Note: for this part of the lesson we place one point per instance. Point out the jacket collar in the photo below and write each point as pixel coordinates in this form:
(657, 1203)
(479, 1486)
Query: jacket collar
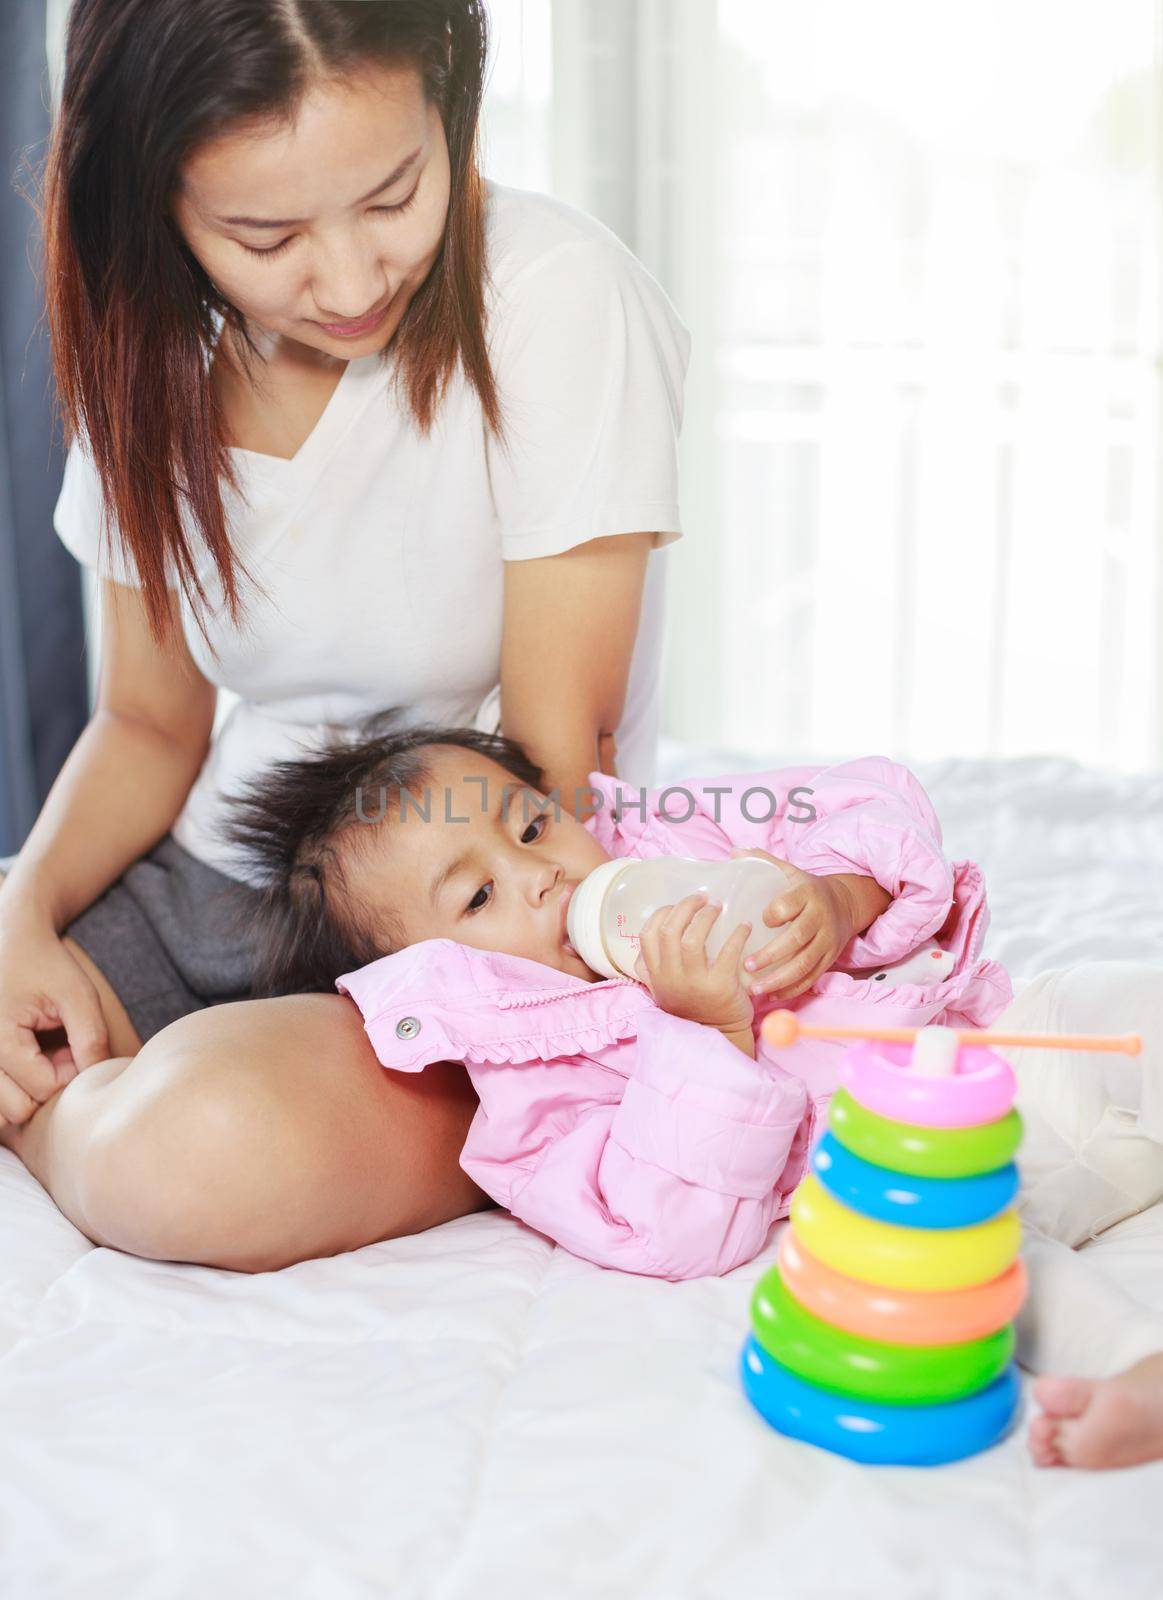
(443, 1001)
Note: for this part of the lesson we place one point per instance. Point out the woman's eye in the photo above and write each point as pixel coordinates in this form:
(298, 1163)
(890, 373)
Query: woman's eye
(403, 205)
(534, 824)
(275, 249)
(387, 211)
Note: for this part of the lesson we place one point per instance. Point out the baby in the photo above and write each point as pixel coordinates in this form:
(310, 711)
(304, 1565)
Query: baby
(450, 834)
(645, 1125)
(426, 873)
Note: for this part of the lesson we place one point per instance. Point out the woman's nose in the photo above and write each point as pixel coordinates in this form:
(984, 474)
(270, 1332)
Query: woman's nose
(348, 284)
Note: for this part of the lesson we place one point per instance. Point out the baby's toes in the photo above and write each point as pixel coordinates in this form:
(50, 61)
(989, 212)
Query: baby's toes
(1064, 1397)
(1043, 1441)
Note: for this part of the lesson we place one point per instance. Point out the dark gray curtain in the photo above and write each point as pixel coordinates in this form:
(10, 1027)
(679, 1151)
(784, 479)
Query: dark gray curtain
(43, 695)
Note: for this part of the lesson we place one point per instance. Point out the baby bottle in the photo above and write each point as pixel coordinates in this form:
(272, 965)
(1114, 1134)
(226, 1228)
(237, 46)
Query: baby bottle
(609, 907)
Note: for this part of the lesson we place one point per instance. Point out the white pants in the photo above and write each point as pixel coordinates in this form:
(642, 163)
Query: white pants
(1092, 1155)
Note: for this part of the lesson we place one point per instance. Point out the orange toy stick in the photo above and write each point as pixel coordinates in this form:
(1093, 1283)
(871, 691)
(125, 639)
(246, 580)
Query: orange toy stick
(781, 1028)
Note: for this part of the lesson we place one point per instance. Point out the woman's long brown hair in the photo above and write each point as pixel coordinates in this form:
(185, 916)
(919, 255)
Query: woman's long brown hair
(132, 313)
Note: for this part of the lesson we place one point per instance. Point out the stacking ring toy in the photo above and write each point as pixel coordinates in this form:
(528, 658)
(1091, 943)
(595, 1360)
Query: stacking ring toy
(981, 1089)
(899, 1374)
(885, 1332)
(899, 1316)
(903, 1258)
(923, 1152)
(914, 1202)
(911, 1436)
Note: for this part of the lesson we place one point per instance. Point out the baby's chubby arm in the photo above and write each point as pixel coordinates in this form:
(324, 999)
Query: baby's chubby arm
(868, 819)
(674, 965)
(817, 916)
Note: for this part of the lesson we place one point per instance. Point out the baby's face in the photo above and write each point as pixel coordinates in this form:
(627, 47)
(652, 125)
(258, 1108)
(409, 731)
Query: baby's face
(492, 866)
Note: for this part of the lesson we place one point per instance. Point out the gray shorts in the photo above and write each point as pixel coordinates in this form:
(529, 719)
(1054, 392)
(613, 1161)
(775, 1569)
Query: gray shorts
(170, 935)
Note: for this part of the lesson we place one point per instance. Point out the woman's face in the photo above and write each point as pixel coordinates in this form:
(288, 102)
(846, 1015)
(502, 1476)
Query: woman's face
(297, 226)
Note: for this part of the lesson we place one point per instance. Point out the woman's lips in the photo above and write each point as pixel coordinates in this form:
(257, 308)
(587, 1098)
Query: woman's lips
(349, 330)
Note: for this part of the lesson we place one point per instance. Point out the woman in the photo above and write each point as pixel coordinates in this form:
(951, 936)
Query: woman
(353, 428)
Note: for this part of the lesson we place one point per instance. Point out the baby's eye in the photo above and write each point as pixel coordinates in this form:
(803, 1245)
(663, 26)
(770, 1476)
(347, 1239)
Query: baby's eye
(476, 904)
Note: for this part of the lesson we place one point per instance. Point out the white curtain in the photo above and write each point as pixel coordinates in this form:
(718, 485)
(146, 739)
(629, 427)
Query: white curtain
(917, 246)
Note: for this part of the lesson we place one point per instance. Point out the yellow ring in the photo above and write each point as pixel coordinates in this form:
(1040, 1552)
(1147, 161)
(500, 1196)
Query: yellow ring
(929, 1259)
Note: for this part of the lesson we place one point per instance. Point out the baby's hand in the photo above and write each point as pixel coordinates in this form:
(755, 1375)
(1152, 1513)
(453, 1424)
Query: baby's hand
(673, 963)
(816, 919)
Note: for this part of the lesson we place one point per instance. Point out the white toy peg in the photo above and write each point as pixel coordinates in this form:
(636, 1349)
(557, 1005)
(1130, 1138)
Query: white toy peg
(935, 1052)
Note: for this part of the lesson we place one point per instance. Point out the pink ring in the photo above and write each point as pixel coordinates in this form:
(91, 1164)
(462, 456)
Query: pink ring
(878, 1076)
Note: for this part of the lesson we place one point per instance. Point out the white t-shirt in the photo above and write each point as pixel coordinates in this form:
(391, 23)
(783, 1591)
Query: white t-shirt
(382, 550)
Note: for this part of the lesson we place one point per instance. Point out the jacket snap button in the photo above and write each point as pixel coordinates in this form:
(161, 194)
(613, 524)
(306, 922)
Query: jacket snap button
(407, 1027)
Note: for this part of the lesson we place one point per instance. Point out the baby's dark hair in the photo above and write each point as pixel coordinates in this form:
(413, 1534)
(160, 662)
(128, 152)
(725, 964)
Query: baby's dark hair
(298, 826)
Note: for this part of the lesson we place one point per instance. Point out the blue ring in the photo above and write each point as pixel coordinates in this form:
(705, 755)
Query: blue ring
(914, 1202)
(870, 1431)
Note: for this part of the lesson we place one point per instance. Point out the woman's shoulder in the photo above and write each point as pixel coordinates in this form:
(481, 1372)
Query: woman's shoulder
(531, 234)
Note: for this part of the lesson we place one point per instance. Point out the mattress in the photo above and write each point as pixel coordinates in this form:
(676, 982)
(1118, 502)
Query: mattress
(473, 1413)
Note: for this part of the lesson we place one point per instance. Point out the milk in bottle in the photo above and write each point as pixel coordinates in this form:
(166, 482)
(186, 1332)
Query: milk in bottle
(609, 907)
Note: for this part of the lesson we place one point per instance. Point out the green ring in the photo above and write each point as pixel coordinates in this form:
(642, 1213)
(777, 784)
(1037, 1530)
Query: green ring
(898, 1374)
(923, 1152)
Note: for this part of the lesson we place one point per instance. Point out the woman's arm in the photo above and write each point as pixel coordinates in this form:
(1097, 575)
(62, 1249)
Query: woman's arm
(570, 623)
(128, 774)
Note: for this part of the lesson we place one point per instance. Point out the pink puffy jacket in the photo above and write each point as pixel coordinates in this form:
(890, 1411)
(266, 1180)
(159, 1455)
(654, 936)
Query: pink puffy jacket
(638, 1139)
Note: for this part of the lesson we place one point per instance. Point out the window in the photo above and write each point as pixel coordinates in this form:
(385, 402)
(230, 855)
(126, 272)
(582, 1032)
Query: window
(917, 249)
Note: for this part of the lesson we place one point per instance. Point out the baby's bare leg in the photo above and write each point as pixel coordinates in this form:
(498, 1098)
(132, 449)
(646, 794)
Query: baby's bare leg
(1093, 1155)
(1117, 1422)
(1109, 1411)
(253, 1135)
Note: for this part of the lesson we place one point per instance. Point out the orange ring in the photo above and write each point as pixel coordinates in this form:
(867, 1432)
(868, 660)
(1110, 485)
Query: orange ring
(900, 1316)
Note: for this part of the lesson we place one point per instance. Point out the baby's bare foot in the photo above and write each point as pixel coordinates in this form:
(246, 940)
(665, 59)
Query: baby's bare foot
(1108, 1422)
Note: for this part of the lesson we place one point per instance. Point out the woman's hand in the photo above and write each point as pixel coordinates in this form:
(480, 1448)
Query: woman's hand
(42, 990)
(817, 917)
(673, 963)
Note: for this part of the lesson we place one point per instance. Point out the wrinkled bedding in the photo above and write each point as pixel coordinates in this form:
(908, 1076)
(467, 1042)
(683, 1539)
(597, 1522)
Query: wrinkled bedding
(472, 1413)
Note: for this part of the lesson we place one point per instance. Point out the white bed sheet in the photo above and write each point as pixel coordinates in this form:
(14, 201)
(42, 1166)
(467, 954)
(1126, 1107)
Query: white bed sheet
(473, 1414)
